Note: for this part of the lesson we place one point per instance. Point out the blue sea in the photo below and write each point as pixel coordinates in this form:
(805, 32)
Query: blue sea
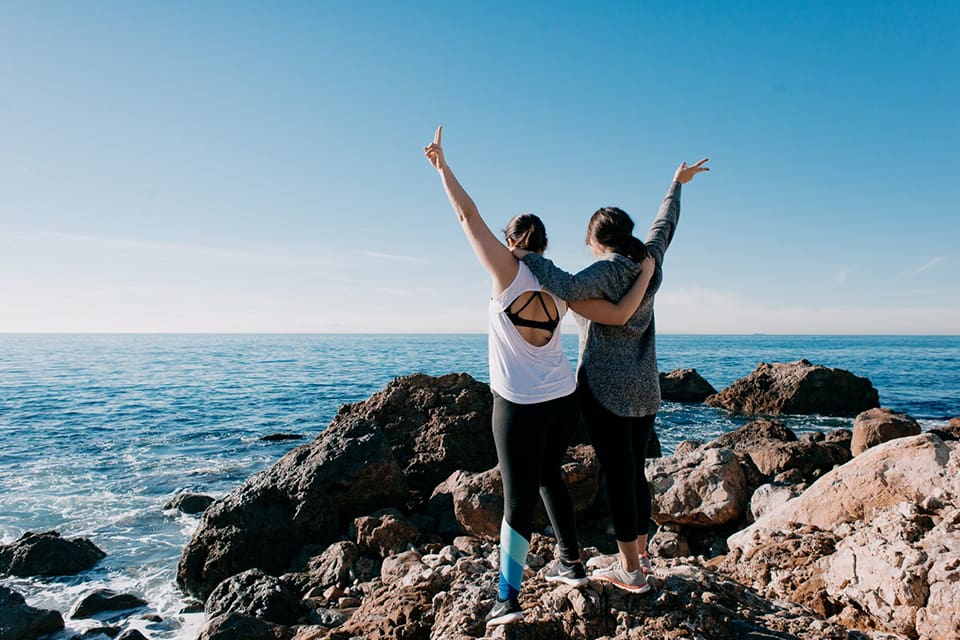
(97, 432)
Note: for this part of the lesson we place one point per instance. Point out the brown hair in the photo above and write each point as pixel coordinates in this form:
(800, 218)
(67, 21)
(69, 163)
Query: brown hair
(612, 227)
(527, 231)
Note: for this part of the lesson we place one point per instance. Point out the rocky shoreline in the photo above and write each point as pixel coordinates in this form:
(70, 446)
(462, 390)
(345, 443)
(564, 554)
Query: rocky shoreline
(384, 526)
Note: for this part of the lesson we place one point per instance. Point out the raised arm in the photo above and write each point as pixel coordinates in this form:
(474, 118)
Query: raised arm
(617, 313)
(665, 224)
(493, 254)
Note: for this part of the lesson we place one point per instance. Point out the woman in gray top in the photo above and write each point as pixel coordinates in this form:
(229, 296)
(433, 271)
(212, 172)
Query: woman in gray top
(617, 373)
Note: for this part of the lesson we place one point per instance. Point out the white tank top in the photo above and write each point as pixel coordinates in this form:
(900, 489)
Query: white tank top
(519, 371)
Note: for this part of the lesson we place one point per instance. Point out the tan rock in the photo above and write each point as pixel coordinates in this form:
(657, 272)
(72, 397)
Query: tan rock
(908, 470)
(704, 488)
(876, 426)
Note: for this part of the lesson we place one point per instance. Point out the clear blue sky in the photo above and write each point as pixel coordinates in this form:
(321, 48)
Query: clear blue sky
(258, 166)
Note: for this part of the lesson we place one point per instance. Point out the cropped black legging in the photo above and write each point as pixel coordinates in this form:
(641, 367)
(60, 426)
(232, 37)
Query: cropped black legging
(531, 440)
(621, 446)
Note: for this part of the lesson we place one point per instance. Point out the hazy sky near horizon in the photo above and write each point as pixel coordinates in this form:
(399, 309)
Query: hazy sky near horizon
(258, 167)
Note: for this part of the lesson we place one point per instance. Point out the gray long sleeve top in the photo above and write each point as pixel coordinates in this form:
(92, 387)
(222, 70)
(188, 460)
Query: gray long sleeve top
(620, 363)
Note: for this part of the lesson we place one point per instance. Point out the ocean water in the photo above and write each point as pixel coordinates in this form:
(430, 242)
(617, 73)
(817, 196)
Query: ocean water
(97, 432)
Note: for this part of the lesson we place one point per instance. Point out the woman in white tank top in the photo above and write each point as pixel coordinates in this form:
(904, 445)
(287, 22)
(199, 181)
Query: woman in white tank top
(535, 409)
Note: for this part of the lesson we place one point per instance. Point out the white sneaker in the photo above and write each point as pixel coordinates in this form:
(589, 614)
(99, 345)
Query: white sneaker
(633, 581)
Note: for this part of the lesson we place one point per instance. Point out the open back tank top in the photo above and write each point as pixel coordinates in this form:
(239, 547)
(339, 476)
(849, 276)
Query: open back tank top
(519, 371)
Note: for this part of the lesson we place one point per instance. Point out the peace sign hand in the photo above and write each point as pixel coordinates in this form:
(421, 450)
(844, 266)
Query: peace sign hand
(685, 174)
(434, 152)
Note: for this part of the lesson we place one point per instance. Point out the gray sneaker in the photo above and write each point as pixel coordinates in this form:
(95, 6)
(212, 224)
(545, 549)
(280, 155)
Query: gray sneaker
(573, 574)
(633, 581)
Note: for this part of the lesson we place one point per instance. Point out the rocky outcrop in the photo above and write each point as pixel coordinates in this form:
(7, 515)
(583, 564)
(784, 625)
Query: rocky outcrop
(189, 503)
(703, 488)
(876, 426)
(103, 600)
(20, 621)
(877, 538)
(47, 554)
(434, 426)
(798, 388)
(391, 568)
(684, 385)
(310, 494)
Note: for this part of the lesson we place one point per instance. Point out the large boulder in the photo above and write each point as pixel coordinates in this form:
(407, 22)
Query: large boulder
(798, 388)
(311, 494)
(684, 385)
(20, 621)
(257, 594)
(876, 426)
(703, 488)
(47, 554)
(434, 426)
(910, 470)
(890, 523)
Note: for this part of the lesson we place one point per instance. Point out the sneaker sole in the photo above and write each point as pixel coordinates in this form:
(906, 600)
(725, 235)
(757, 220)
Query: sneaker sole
(643, 588)
(505, 619)
(573, 582)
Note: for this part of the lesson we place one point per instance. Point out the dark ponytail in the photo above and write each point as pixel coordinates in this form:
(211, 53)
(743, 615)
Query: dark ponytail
(528, 232)
(612, 227)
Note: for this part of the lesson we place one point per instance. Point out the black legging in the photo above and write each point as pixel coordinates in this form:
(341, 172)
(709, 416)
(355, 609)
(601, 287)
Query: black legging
(531, 440)
(621, 446)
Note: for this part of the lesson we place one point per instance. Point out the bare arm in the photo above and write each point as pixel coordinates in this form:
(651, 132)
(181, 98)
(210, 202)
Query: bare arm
(617, 313)
(493, 255)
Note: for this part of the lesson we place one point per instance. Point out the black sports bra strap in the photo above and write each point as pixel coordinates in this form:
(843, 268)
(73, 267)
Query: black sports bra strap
(543, 304)
(547, 325)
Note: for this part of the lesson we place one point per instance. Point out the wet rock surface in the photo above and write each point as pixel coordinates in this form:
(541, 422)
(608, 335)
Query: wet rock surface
(20, 621)
(798, 388)
(189, 503)
(105, 600)
(685, 385)
(47, 554)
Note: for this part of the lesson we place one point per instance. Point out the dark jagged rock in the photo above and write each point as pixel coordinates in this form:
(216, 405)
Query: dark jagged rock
(103, 600)
(47, 554)
(238, 626)
(949, 431)
(310, 495)
(760, 432)
(132, 634)
(97, 633)
(20, 621)
(281, 437)
(876, 426)
(435, 426)
(257, 594)
(798, 388)
(684, 385)
(189, 503)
